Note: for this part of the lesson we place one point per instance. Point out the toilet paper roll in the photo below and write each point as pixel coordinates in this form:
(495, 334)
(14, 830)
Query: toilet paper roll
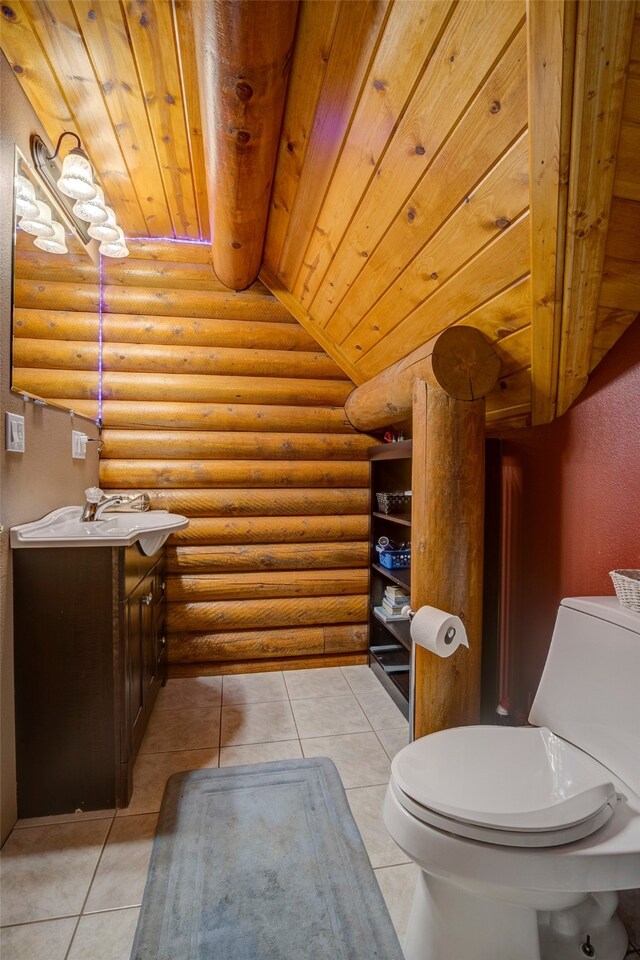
(438, 631)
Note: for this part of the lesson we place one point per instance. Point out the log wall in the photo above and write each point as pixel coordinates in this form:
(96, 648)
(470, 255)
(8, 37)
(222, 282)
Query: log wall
(222, 408)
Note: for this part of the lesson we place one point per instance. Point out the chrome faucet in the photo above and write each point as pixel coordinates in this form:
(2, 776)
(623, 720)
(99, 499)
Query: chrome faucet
(97, 503)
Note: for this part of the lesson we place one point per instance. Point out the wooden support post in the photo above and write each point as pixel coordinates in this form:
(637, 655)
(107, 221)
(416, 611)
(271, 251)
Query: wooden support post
(447, 549)
(460, 361)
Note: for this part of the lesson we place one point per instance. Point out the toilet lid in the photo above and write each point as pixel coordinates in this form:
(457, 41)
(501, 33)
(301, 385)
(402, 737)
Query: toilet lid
(514, 779)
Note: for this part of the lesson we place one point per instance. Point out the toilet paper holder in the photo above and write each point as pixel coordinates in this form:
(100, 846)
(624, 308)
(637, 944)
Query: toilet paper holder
(449, 638)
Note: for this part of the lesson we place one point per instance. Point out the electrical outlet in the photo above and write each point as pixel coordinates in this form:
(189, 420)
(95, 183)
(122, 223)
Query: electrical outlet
(79, 445)
(14, 433)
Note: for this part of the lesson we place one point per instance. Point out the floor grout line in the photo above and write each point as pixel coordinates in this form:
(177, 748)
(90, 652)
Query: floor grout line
(86, 897)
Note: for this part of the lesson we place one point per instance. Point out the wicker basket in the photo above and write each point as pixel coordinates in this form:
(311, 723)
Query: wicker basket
(393, 502)
(627, 587)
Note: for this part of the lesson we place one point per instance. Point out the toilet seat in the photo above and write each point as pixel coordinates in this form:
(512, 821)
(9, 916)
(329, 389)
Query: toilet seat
(519, 786)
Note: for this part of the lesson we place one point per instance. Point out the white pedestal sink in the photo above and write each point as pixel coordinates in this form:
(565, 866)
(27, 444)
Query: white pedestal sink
(64, 528)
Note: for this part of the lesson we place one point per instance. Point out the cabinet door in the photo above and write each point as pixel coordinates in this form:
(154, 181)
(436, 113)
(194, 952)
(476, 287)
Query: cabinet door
(160, 632)
(139, 658)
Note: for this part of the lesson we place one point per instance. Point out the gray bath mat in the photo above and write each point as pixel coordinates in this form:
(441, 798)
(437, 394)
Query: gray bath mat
(263, 862)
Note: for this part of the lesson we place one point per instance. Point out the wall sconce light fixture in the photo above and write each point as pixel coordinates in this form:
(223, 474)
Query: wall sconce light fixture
(76, 182)
(55, 244)
(26, 204)
(40, 225)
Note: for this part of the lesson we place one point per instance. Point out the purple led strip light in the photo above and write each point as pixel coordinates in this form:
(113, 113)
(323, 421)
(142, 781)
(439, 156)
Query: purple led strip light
(100, 336)
(170, 240)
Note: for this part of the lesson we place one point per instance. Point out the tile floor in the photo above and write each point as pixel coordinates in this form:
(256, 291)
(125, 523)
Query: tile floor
(71, 886)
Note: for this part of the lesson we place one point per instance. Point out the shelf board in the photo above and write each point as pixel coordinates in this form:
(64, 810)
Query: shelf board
(403, 518)
(401, 450)
(394, 575)
(397, 628)
(396, 685)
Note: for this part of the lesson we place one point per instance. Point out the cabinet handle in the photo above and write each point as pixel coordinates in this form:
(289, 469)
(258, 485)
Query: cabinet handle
(163, 640)
(162, 586)
(148, 597)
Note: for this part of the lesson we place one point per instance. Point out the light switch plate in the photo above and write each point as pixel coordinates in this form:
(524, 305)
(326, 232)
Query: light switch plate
(14, 432)
(79, 445)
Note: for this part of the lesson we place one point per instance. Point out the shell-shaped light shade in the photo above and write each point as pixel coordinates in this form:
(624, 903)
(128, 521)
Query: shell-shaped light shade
(26, 205)
(55, 244)
(39, 226)
(77, 178)
(94, 210)
(115, 248)
(107, 231)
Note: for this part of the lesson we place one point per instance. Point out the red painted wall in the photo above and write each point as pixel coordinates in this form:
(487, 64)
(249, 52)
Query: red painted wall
(572, 509)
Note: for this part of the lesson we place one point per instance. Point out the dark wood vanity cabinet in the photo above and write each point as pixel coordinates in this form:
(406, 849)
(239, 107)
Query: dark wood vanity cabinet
(89, 659)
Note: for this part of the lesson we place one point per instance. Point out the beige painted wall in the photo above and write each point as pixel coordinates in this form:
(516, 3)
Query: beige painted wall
(45, 476)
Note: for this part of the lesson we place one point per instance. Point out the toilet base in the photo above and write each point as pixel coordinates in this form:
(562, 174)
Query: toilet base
(563, 933)
(449, 922)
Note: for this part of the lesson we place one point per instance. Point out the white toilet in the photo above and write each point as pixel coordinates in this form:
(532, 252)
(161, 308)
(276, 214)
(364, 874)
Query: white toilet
(524, 835)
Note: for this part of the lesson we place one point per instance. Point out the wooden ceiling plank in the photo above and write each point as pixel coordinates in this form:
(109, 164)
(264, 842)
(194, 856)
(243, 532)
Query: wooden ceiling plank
(631, 108)
(514, 351)
(620, 287)
(410, 35)
(478, 142)
(497, 200)
(503, 314)
(288, 301)
(356, 38)
(623, 236)
(627, 175)
(610, 325)
(551, 28)
(499, 264)
(22, 48)
(511, 398)
(425, 128)
(150, 27)
(56, 27)
(602, 56)
(183, 26)
(634, 59)
(311, 53)
(105, 37)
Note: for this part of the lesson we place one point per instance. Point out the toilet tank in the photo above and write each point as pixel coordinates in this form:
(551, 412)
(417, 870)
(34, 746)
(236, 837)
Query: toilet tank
(589, 690)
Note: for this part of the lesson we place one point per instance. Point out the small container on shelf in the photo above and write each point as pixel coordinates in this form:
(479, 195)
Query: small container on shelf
(399, 502)
(395, 559)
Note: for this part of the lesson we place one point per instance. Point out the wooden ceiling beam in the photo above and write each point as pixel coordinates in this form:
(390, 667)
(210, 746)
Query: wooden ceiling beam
(603, 42)
(551, 26)
(459, 362)
(243, 49)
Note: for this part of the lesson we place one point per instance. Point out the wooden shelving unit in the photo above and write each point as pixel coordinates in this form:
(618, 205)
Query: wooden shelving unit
(389, 641)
